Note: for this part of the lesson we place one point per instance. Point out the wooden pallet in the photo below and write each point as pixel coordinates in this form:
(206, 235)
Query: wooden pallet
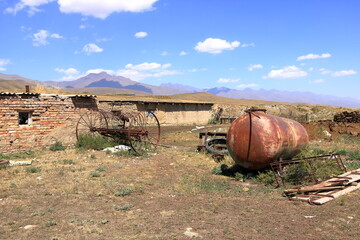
(327, 190)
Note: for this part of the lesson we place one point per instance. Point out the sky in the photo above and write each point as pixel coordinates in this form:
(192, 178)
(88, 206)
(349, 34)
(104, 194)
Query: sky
(297, 45)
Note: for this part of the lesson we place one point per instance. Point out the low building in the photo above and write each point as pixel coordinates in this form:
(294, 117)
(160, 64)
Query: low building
(167, 112)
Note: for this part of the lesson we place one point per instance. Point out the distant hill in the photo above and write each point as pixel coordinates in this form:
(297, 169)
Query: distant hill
(286, 96)
(209, 97)
(20, 78)
(183, 88)
(107, 90)
(14, 84)
(106, 80)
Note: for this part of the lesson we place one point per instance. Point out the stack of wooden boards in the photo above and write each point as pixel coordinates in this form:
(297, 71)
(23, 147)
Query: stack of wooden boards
(327, 190)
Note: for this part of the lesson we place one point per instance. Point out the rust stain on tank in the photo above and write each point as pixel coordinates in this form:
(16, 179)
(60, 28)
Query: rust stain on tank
(255, 139)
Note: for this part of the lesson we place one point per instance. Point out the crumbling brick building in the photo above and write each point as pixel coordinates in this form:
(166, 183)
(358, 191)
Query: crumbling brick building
(27, 119)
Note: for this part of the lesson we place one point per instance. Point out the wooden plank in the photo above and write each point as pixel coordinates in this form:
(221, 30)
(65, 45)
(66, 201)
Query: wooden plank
(330, 191)
(336, 195)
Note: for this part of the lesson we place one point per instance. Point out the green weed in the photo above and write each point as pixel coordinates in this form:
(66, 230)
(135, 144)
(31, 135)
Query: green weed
(68, 162)
(50, 223)
(124, 207)
(33, 169)
(266, 177)
(122, 191)
(94, 174)
(57, 146)
(26, 154)
(88, 141)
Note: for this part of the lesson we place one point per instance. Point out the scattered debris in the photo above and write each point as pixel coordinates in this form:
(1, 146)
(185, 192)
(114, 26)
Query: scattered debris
(279, 166)
(197, 128)
(189, 233)
(117, 148)
(327, 190)
(19, 163)
(27, 227)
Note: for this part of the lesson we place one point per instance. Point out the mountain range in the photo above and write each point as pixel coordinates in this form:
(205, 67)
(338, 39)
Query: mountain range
(103, 83)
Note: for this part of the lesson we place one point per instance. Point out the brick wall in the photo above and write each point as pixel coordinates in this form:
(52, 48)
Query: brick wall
(46, 113)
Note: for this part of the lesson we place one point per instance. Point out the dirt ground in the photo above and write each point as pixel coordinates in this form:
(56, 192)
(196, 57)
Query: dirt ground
(94, 195)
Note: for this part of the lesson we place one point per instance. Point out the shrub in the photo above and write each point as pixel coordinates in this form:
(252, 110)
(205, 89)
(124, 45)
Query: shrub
(353, 155)
(124, 207)
(239, 176)
(50, 223)
(94, 174)
(57, 146)
(96, 142)
(266, 177)
(68, 162)
(122, 191)
(33, 169)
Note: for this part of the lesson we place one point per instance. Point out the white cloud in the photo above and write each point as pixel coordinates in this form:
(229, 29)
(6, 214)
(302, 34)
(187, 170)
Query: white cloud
(164, 53)
(183, 53)
(286, 72)
(69, 74)
(343, 73)
(103, 8)
(313, 56)
(324, 71)
(140, 34)
(3, 63)
(91, 48)
(147, 66)
(69, 71)
(146, 70)
(318, 81)
(216, 45)
(255, 66)
(197, 70)
(40, 38)
(56, 35)
(227, 80)
(248, 45)
(249, 85)
(99, 70)
(30, 5)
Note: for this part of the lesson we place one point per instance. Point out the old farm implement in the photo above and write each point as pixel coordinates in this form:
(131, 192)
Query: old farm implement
(139, 130)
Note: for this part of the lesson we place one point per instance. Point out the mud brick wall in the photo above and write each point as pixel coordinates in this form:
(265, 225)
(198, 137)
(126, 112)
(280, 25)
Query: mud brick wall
(168, 113)
(46, 113)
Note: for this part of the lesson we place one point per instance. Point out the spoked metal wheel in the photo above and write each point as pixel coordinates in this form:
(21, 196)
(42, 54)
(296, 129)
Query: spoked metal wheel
(89, 122)
(144, 132)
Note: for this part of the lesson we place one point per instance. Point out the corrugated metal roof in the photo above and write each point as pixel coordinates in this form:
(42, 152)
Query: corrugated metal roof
(157, 102)
(46, 95)
(15, 94)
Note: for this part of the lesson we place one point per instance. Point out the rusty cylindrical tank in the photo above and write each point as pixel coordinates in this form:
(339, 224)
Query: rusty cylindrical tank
(255, 139)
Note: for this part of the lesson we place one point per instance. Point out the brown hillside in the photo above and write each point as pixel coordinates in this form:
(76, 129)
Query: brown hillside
(14, 84)
(208, 97)
(107, 91)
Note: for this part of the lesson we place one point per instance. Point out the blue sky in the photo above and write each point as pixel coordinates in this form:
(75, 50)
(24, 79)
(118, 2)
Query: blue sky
(297, 45)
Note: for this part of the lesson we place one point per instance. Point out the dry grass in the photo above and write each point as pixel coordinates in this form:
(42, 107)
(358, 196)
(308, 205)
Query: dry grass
(93, 195)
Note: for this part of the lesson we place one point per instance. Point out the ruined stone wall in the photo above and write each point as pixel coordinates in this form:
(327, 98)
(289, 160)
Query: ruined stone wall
(46, 113)
(168, 113)
(179, 113)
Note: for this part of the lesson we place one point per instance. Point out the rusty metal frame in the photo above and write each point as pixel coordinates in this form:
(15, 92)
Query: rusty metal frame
(278, 166)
